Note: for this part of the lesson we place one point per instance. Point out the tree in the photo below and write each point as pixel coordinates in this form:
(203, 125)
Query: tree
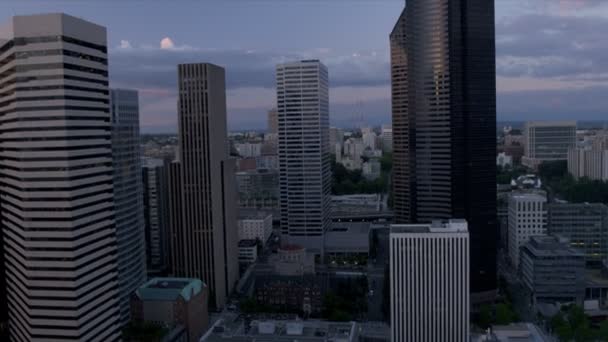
(484, 318)
(504, 314)
(602, 333)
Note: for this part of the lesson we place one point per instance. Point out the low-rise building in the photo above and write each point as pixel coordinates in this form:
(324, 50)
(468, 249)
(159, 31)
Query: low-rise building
(257, 226)
(552, 270)
(298, 294)
(293, 260)
(248, 251)
(177, 304)
(240, 330)
(585, 225)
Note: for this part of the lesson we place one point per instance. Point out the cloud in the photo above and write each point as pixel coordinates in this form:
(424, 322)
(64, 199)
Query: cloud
(166, 44)
(125, 44)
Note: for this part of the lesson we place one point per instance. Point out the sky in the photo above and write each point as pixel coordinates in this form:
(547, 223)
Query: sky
(552, 55)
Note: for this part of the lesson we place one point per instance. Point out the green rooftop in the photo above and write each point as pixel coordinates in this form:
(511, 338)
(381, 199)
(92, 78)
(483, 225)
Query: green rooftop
(169, 289)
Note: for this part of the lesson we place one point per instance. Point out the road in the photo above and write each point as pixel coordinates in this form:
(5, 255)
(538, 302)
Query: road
(375, 276)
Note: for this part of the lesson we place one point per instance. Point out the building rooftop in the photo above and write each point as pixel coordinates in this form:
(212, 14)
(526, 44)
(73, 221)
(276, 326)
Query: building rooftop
(347, 237)
(450, 226)
(280, 330)
(169, 289)
(547, 245)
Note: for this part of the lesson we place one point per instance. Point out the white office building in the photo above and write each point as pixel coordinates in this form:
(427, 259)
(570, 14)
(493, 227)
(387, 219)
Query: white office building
(304, 152)
(255, 227)
(429, 283)
(527, 217)
(56, 180)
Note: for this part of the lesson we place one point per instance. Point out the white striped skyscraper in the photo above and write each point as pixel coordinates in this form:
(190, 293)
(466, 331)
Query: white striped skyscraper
(128, 196)
(429, 282)
(304, 152)
(56, 180)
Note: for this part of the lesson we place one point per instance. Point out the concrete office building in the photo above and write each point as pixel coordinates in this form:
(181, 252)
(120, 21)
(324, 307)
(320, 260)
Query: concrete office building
(527, 218)
(304, 156)
(203, 228)
(156, 216)
(128, 195)
(255, 227)
(588, 163)
(258, 188)
(248, 251)
(585, 225)
(443, 77)
(552, 270)
(57, 207)
(178, 304)
(273, 121)
(547, 141)
(429, 283)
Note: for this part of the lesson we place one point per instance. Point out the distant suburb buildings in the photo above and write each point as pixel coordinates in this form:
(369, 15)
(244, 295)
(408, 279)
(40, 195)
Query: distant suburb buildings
(547, 141)
(429, 282)
(304, 157)
(57, 210)
(203, 228)
(443, 82)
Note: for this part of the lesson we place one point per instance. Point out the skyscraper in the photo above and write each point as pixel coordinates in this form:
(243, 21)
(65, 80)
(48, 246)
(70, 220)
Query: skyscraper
(156, 216)
(444, 122)
(272, 121)
(304, 155)
(203, 227)
(128, 196)
(429, 282)
(56, 180)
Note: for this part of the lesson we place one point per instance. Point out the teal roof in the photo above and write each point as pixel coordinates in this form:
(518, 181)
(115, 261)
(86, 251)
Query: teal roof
(169, 289)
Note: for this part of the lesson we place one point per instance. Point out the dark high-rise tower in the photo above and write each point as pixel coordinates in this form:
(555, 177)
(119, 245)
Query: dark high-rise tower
(202, 202)
(444, 121)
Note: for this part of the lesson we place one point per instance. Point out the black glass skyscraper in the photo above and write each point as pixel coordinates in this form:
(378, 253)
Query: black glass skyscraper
(444, 122)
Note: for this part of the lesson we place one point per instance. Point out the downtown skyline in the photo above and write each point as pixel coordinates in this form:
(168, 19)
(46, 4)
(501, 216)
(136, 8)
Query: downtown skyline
(547, 50)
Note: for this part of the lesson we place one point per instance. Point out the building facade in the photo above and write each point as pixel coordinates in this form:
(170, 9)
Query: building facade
(57, 207)
(203, 228)
(156, 216)
(585, 225)
(444, 123)
(128, 195)
(255, 227)
(588, 163)
(248, 251)
(304, 156)
(258, 188)
(429, 282)
(527, 218)
(173, 303)
(552, 270)
(547, 141)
